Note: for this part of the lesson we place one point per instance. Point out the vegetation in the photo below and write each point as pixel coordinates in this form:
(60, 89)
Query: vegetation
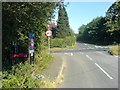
(115, 50)
(19, 19)
(63, 35)
(63, 28)
(102, 30)
(113, 21)
(93, 32)
(24, 75)
(63, 43)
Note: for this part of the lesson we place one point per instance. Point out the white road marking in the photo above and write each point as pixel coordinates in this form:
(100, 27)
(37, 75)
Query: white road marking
(65, 53)
(100, 52)
(71, 54)
(101, 47)
(98, 46)
(89, 57)
(103, 71)
(81, 53)
(85, 44)
(89, 47)
(116, 56)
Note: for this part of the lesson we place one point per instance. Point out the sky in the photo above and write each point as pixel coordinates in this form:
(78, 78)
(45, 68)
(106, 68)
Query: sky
(80, 13)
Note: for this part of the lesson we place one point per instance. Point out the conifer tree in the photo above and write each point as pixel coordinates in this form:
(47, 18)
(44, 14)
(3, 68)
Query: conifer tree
(63, 28)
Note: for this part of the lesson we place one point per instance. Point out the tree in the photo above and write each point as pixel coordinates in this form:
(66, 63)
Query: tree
(113, 21)
(63, 28)
(93, 32)
(81, 30)
(19, 19)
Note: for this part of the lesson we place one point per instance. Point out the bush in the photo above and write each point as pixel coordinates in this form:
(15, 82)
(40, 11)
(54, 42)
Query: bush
(115, 50)
(63, 42)
(23, 75)
(19, 77)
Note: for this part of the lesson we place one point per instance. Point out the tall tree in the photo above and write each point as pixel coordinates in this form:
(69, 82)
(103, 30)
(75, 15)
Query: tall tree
(20, 18)
(95, 31)
(113, 21)
(63, 28)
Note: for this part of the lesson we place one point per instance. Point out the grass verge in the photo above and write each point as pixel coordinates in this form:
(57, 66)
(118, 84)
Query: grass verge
(115, 50)
(24, 75)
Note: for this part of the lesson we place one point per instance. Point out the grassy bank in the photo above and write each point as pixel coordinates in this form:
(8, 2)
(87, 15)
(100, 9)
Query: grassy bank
(115, 50)
(25, 75)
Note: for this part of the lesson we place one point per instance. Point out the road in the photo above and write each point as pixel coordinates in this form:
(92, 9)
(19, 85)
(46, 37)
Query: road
(89, 66)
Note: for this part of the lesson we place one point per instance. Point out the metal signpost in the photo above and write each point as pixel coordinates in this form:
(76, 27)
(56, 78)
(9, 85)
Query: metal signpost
(31, 47)
(49, 34)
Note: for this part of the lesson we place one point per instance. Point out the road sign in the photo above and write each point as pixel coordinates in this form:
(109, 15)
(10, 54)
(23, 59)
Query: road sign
(31, 35)
(31, 51)
(49, 33)
(31, 43)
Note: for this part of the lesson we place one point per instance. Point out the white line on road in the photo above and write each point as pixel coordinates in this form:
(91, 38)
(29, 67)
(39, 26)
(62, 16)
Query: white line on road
(65, 53)
(116, 56)
(89, 47)
(81, 53)
(89, 57)
(71, 54)
(100, 53)
(103, 71)
(85, 44)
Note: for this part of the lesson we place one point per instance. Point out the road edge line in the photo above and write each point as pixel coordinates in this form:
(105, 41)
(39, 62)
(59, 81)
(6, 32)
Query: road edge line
(60, 76)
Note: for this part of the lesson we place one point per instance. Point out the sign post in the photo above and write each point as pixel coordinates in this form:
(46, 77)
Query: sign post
(31, 47)
(49, 34)
(49, 45)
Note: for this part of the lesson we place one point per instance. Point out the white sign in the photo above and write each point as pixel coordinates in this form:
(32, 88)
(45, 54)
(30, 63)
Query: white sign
(31, 51)
(49, 33)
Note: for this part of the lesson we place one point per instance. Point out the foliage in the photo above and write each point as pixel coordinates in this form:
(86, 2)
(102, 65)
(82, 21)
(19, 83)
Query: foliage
(20, 18)
(94, 32)
(63, 43)
(23, 74)
(19, 77)
(113, 16)
(103, 30)
(113, 21)
(63, 28)
(115, 50)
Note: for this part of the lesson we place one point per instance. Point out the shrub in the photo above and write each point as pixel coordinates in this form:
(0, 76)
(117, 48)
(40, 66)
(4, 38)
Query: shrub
(115, 50)
(23, 75)
(63, 42)
(19, 77)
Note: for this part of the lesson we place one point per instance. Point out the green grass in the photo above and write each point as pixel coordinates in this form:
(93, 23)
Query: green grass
(115, 50)
(23, 74)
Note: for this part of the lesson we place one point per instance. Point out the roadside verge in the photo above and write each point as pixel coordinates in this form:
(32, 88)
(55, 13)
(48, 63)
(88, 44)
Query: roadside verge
(54, 72)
